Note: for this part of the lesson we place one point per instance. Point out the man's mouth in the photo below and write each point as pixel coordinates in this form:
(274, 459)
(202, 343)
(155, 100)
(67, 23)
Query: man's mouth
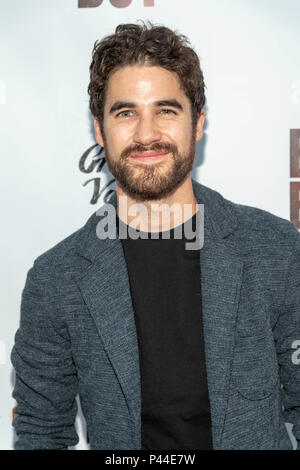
(150, 155)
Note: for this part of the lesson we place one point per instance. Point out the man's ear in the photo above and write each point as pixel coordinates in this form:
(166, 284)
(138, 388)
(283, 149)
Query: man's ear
(98, 133)
(199, 126)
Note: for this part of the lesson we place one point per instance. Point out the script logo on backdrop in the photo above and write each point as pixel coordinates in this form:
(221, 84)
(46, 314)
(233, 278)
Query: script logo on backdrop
(89, 163)
(115, 3)
(295, 174)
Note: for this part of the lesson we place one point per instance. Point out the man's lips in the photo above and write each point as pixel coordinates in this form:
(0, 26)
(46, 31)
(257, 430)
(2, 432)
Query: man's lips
(150, 154)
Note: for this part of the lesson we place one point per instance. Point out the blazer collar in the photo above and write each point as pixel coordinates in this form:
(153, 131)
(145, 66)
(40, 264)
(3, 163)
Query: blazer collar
(219, 221)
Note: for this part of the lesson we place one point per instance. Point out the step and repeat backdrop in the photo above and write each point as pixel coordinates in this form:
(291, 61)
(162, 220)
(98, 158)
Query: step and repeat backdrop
(53, 173)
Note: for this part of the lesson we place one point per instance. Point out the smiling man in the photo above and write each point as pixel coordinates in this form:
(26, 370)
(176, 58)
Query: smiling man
(150, 121)
(148, 138)
(168, 348)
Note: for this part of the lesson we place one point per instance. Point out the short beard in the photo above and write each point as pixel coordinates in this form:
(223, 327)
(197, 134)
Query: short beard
(151, 182)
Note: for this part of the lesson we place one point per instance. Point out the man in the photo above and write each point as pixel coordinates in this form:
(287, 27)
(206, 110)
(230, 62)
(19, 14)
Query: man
(168, 347)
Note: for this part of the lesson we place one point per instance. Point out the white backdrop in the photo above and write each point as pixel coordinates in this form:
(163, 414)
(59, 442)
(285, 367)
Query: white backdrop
(249, 51)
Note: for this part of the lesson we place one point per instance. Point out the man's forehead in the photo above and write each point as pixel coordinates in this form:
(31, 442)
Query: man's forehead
(144, 84)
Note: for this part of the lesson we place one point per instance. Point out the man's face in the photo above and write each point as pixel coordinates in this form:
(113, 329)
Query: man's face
(147, 133)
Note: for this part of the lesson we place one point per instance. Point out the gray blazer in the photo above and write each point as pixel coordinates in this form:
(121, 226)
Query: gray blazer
(77, 335)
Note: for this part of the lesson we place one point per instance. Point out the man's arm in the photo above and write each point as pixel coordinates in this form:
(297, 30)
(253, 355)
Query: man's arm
(46, 380)
(287, 337)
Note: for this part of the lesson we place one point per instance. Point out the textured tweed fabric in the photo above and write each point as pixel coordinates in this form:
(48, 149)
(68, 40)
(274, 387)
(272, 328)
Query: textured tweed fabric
(77, 335)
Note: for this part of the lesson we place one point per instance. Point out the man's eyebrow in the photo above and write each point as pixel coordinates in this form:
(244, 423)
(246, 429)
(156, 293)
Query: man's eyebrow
(120, 105)
(126, 104)
(172, 102)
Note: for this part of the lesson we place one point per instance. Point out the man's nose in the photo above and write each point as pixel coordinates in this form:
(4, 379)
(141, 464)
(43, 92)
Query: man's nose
(147, 131)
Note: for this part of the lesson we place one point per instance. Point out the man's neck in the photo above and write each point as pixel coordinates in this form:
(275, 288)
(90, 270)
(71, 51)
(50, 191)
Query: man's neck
(158, 215)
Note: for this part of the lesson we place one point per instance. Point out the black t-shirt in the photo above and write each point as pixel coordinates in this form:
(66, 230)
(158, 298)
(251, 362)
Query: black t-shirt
(166, 294)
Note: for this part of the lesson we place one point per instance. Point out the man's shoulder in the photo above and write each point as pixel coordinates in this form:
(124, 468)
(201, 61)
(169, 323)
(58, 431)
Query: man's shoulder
(62, 253)
(249, 220)
(261, 222)
(257, 219)
(250, 223)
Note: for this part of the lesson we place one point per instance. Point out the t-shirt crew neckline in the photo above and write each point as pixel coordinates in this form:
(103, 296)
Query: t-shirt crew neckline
(162, 235)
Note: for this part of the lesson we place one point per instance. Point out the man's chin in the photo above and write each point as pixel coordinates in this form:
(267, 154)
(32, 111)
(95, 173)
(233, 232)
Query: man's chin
(142, 196)
(151, 182)
(146, 190)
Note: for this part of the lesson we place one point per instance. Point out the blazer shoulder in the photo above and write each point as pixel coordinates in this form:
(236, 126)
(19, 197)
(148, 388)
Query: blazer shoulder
(242, 220)
(61, 252)
(262, 222)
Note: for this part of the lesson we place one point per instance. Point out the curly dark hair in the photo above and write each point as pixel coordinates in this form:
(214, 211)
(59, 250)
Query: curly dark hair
(152, 45)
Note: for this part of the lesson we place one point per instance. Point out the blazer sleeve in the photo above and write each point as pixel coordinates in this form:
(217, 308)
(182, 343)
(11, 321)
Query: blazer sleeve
(46, 380)
(287, 340)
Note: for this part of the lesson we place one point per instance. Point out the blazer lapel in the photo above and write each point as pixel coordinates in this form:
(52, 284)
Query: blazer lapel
(221, 276)
(106, 290)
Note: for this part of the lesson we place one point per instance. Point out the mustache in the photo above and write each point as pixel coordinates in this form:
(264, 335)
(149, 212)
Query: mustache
(157, 147)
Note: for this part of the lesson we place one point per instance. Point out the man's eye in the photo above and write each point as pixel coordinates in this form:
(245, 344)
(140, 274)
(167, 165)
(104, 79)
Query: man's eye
(123, 113)
(167, 111)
